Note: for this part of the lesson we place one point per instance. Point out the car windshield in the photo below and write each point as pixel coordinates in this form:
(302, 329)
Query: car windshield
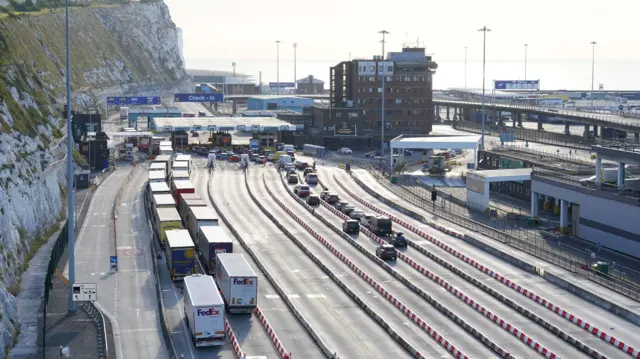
(312, 175)
(384, 223)
(304, 188)
(352, 224)
(389, 249)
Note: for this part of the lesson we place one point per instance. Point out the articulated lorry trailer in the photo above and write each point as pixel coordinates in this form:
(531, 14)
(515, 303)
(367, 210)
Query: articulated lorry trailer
(204, 310)
(237, 282)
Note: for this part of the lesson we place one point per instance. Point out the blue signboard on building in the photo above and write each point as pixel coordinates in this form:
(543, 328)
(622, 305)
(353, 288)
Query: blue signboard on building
(198, 97)
(516, 85)
(281, 85)
(271, 129)
(133, 101)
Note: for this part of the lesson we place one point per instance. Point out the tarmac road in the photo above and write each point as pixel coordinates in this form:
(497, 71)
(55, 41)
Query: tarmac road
(583, 309)
(407, 329)
(95, 244)
(136, 306)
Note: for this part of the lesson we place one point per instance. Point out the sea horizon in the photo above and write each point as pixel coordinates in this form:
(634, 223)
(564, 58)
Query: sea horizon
(553, 74)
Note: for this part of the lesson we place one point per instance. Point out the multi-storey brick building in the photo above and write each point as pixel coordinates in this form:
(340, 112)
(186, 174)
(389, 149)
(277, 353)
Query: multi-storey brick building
(408, 91)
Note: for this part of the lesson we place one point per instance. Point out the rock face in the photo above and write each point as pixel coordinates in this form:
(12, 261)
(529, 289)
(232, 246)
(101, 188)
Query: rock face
(114, 50)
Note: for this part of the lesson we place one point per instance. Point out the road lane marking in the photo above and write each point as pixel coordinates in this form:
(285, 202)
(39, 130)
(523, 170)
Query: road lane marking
(272, 296)
(293, 296)
(315, 296)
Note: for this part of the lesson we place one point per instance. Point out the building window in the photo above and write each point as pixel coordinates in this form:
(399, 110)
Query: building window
(389, 68)
(372, 68)
(379, 89)
(389, 79)
(407, 78)
(398, 101)
(370, 89)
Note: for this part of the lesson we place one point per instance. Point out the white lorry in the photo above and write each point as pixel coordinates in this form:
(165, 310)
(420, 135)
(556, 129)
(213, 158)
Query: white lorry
(204, 310)
(237, 282)
(124, 113)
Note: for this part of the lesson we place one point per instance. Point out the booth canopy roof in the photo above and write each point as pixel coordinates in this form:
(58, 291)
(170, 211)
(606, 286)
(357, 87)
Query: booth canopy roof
(444, 142)
(512, 174)
(132, 134)
(218, 121)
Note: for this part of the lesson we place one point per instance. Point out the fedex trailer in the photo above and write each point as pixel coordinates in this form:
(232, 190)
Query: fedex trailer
(204, 311)
(237, 282)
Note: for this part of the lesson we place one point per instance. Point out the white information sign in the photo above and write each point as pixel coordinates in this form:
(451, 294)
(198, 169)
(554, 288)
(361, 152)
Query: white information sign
(85, 292)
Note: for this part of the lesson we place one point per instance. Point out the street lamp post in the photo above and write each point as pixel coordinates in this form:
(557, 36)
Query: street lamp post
(465, 67)
(593, 67)
(70, 194)
(278, 64)
(484, 61)
(526, 46)
(384, 33)
(295, 60)
(234, 68)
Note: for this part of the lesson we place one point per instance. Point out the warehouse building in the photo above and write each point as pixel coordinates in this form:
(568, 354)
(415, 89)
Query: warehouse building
(269, 102)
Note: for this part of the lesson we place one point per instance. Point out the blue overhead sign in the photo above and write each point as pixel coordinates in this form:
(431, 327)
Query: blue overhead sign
(281, 85)
(133, 101)
(198, 97)
(516, 85)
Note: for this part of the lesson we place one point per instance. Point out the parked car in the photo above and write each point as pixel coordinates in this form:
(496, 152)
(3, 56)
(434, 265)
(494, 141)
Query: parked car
(373, 154)
(365, 220)
(351, 226)
(234, 158)
(332, 198)
(348, 209)
(313, 200)
(386, 252)
(340, 204)
(302, 190)
(292, 179)
(398, 240)
(345, 151)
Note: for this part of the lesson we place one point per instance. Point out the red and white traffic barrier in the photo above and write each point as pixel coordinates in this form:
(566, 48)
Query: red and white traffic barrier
(380, 289)
(233, 340)
(272, 334)
(627, 349)
(508, 327)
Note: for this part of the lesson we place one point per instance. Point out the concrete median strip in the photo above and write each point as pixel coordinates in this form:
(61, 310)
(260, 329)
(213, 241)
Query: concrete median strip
(367, 309)
(374, 284)
(237, 351)
(634, 353)
(329, 353)
(272, 334)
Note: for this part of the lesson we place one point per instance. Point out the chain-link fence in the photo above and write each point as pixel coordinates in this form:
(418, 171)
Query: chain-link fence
(540, 244)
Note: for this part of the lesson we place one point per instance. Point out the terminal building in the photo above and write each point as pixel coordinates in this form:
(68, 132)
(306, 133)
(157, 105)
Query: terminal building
(309, 86)
(598, 202)
(408, 92)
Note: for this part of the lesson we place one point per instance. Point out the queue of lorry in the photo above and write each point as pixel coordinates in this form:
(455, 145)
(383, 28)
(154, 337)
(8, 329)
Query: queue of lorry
(198, 252)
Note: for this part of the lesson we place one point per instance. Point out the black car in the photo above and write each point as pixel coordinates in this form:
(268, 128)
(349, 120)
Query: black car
(307, 171)
(351, 226)
(398, 240)
(292, 179)
(386, 251)
(301, 165)
(313, 200)
(332, 198)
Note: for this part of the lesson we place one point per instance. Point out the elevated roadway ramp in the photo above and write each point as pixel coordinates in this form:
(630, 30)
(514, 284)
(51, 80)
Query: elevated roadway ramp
(591, 312)
(409, 331)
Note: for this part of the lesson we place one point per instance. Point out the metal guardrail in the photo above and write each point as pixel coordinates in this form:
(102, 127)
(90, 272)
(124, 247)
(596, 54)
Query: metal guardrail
(623, 146)
(576, 181)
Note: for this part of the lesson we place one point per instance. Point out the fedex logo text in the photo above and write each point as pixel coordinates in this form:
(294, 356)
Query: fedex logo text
(243, 281)
(208, 312)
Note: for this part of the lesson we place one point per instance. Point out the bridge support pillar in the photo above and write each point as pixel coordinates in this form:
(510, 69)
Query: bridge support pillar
(586, 132)
(547, 203)
(520, 115)
(637, 137)
(540, 128)
(567, 131)
(564, 216)
(535, 202)
(595, 130)
(215, 106)
(621, 176)
(234, 107)
(556, 207)
(448, 108)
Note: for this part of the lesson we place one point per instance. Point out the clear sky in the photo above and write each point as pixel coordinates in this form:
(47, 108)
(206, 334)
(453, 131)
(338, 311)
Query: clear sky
(558, 32)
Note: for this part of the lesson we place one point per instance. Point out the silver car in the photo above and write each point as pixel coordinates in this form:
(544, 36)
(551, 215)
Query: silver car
(356, 214)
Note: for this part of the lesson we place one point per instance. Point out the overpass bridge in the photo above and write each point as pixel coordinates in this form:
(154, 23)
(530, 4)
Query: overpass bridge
(517, 110)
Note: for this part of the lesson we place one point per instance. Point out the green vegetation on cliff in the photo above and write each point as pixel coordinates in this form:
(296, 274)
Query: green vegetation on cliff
(111, 45)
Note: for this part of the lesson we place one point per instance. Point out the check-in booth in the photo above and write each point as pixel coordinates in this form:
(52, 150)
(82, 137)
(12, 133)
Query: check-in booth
(478, 184)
